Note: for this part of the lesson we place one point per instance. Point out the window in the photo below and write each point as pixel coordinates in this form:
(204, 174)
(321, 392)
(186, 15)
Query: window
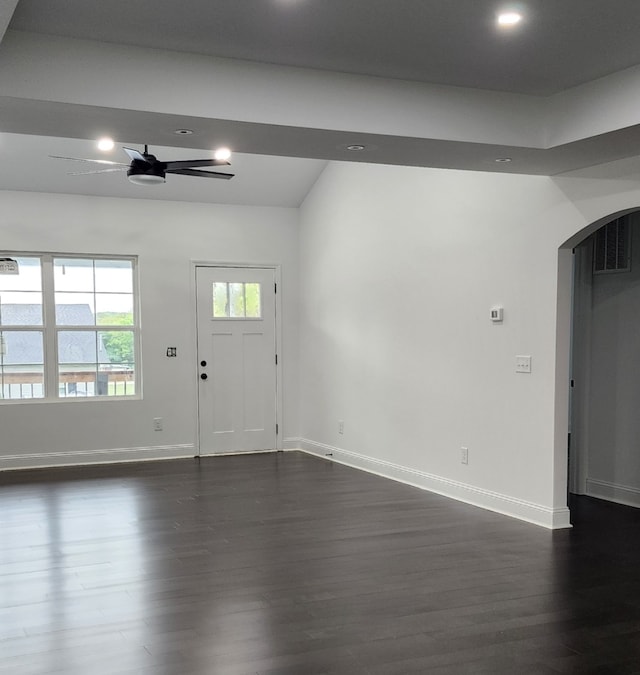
(236, 300)
(68, 328)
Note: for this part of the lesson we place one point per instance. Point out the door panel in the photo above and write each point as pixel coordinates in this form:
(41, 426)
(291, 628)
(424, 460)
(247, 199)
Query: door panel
(236, 341)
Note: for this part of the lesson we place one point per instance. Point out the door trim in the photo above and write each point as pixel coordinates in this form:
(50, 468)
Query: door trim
(276, 267)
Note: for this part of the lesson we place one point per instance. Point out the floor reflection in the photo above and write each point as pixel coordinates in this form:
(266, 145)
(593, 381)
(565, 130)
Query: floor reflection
(289, 565)
(70, 552)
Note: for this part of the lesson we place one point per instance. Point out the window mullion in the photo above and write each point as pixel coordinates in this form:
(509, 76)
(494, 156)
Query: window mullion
(50, 332)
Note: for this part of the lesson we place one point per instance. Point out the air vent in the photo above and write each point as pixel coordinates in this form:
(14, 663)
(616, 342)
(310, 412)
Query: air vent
(611, 247)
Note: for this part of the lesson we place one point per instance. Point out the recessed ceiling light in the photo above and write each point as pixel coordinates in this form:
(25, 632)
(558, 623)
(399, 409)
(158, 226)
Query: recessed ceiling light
(105, 144)
(507, 19)
(356, 147)
(504, 159)
(222, 154)
(183, 132)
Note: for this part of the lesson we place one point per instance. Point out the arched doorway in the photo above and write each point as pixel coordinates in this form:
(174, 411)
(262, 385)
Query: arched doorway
(603, 383)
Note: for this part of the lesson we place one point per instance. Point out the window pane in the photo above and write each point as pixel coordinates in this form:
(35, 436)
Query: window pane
(73, 274)
(114, 276)
(252, 295)
(18, 382)
(117, 380)
(77, 379)
(88, 293)
(77, 346)
(75, 309)
(220, 298)
(114, 309)
(21, 364)
(20, 309)
(29, 277)
(236, 297)
(115, 347)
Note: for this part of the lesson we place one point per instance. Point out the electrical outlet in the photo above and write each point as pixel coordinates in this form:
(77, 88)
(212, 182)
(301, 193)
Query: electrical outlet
(157, 423)
(340, 426)
(464, 455)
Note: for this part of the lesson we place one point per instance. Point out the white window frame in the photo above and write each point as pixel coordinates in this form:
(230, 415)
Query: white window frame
(50, 329)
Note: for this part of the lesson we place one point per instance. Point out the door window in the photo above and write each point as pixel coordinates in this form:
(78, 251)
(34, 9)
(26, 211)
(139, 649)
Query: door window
(236, 300)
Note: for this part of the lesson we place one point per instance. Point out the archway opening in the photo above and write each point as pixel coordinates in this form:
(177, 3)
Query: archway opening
(602, 331)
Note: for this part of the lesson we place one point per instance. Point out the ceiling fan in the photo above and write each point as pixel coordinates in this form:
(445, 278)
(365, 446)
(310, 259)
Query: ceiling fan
(146, 169)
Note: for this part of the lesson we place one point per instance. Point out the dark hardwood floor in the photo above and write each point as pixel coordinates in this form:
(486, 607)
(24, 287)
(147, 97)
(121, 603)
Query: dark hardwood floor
(285, 564)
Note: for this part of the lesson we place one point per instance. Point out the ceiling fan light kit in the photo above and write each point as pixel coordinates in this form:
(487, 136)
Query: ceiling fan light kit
(145, 178)
(146, 169)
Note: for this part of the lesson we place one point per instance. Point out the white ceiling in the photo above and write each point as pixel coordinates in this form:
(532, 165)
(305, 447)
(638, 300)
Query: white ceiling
(562, 43)
(443, 88)
(259, 180)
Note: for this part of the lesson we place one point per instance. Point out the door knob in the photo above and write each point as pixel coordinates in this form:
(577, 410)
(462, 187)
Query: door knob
(203, 376)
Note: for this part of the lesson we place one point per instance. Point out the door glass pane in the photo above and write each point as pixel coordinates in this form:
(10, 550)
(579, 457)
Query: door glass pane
(73, 274)
(21, 364)
(220, 300)
(75, 309)
(252, 301)
(236, 299)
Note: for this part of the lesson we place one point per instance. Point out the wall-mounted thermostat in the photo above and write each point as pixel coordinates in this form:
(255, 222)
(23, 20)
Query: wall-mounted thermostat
(497, 314)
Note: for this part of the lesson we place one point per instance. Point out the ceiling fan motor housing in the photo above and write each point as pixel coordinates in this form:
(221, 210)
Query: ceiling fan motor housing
(146, 172)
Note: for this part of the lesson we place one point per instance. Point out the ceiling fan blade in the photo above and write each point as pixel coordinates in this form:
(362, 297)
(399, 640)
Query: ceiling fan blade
(85, 173)
(92, 161)
(190, 164)
(135, 154)
(202, 174)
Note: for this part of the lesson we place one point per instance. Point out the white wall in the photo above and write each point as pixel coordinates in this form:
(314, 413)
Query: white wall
(166, 236)
(401, 267)
(398, 270)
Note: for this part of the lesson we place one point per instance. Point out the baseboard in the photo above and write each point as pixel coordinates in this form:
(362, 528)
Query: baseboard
(492, 501)
(613, 492)
(107, 456)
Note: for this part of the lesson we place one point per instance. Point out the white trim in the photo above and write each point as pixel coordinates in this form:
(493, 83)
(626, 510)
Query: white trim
(50, 329)
(104, 456)
(240, 452)
(613, 492)
(469, 494)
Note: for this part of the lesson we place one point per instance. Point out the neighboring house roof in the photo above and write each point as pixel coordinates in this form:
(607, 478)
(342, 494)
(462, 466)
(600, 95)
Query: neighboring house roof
(25, 347)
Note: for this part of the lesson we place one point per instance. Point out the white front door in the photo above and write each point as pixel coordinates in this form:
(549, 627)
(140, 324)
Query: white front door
(236, 359)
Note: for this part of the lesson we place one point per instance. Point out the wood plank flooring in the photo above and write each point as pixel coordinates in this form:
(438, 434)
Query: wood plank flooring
(284, 564)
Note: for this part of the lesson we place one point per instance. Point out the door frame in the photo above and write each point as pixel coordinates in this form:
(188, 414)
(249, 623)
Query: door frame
(276, 267)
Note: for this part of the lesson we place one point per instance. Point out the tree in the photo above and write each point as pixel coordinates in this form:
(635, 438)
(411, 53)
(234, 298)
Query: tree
(118, 344)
